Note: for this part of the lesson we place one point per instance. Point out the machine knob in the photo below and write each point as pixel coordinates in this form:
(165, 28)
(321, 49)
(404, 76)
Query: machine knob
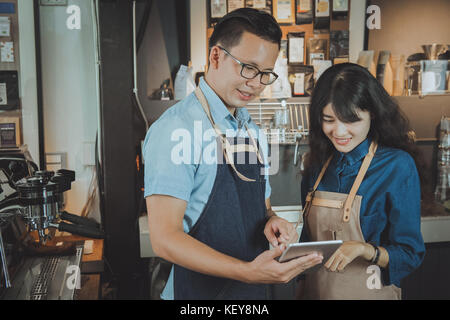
(18, 170)
(14, 167)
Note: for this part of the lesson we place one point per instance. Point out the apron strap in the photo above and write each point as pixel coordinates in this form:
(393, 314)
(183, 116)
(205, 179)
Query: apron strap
(321, 174)
(227, 150)
(359, 178)
(258, 154)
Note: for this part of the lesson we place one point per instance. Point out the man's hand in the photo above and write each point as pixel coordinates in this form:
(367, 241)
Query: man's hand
(265, 269)
(279, 231)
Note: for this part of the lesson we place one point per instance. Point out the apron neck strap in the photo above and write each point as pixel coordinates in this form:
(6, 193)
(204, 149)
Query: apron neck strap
(322, 172)
(359, 178)
(201, 98)
(225, 145)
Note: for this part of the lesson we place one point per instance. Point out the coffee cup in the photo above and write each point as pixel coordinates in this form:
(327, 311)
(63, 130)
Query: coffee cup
(431, 81)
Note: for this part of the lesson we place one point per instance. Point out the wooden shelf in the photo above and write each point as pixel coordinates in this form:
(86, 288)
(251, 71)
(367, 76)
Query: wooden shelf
(308, 29)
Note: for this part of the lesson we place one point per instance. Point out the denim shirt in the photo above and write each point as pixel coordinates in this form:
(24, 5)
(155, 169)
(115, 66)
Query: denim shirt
(390, 207)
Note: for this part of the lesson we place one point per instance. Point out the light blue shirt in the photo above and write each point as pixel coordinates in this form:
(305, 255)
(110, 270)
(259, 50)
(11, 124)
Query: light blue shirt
(180, 153)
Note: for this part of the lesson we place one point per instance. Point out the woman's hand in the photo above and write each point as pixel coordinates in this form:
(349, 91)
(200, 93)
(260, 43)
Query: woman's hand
(348, 252)
(279, 231)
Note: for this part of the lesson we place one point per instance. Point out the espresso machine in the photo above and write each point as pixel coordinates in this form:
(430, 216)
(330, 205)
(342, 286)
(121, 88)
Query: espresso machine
(32, 201)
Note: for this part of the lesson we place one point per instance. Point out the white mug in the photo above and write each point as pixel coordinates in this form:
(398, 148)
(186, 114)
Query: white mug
(431, 81)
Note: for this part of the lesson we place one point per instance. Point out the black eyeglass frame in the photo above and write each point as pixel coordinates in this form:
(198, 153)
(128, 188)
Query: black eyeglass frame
(243, 65)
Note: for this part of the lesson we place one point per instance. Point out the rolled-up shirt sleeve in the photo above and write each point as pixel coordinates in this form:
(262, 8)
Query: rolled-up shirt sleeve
(405, 245)
(169, 159)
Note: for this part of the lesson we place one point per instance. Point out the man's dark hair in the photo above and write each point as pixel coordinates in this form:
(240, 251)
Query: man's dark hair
(228, 31)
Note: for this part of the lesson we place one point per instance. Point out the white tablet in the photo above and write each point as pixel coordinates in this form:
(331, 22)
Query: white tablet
(296, 250)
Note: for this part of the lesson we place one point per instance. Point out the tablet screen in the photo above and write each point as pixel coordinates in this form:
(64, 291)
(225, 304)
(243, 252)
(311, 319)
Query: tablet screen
(325, 248)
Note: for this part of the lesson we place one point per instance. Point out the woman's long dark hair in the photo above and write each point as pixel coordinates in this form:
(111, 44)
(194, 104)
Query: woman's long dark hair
(349, 87)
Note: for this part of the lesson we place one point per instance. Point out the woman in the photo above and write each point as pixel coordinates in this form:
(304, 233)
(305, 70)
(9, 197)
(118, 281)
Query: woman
(361, 186)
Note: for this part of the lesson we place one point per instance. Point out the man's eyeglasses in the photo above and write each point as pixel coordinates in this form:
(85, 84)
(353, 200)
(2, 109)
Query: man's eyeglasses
(250, 72)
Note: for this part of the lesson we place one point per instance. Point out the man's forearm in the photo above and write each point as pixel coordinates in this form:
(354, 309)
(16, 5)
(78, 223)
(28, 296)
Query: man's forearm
(186, 251)
(270, 213)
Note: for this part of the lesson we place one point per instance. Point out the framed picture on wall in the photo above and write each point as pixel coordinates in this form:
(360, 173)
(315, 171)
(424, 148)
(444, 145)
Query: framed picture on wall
(9, 132)
(264, 5)
(340, 5)
(340, 9)
(284, 11)
(9, 90)
(235, 4)
(322, 8)
(304, 11)
(322, 14)
(218, 8)
(296, 47)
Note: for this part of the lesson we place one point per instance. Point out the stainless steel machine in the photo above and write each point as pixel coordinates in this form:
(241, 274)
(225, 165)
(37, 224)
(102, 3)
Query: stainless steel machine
(33, 200)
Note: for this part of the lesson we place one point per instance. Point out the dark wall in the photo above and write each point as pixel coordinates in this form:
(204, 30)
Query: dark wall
(163, 43)
(174, 22)
(122, 131)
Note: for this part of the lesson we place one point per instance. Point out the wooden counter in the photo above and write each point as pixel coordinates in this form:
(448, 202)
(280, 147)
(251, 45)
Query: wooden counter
(91, 268)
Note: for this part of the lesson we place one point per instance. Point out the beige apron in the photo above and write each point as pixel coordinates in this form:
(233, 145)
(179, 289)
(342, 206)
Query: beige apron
(335, 216)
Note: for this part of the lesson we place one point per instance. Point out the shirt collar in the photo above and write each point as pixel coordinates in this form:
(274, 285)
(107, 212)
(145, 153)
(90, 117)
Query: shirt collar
(218, 109)
(356, 154)
(242, 116)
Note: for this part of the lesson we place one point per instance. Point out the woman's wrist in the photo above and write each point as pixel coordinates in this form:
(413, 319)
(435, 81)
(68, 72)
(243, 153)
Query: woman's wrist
(368, 252)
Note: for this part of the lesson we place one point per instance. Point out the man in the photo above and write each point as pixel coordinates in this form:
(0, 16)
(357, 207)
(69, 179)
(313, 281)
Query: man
(214, 220)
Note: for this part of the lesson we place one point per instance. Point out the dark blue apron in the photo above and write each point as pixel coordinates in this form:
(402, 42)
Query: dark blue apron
(232, 223)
